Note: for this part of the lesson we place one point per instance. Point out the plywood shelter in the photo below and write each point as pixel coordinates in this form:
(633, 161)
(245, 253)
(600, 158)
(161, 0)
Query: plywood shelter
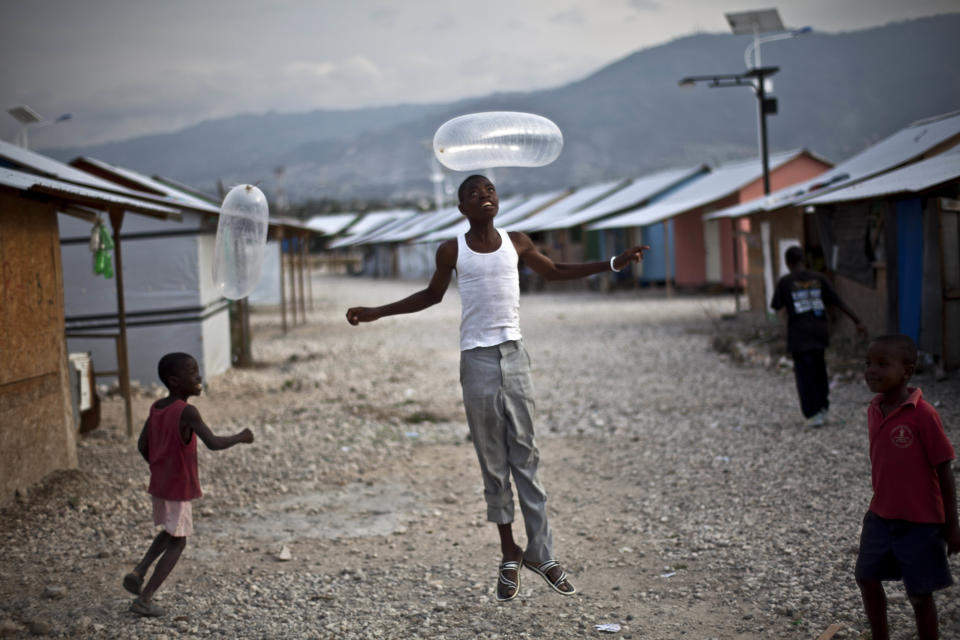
(893, 245)
(782, 219)
(37, 423)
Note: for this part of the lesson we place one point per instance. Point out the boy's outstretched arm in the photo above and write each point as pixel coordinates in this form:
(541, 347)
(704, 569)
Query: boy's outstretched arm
(446, 262)
(948, 491)
(549, 270)
(190, 421)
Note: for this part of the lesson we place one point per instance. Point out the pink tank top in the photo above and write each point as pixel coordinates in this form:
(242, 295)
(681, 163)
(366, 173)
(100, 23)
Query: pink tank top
(173, 465)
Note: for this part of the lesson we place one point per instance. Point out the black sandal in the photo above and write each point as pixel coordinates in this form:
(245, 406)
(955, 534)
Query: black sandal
(510, 565)
(543, 569)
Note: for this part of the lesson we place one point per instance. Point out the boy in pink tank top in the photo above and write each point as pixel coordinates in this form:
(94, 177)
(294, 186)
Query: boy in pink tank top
(168, 442)
(495, 371)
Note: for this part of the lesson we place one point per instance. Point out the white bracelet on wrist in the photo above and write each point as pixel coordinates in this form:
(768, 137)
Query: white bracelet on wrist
(613, 268)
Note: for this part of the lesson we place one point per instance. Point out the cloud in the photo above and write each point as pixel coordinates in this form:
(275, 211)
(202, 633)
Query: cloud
(571, 16)
(308, 68)
(645, 5)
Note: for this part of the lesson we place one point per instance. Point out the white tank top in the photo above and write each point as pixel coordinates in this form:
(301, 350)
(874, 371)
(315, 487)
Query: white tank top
(489, 294)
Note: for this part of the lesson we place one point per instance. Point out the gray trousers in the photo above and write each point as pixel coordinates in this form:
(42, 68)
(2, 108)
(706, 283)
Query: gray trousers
(498, 398)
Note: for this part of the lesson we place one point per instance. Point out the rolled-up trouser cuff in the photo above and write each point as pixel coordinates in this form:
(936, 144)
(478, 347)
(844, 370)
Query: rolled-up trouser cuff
(499, 507)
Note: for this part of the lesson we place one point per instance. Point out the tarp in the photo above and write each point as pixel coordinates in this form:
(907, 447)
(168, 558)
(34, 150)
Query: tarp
(171, 301)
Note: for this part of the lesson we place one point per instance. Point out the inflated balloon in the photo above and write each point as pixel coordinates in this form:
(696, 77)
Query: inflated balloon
(241, 239)
(497, 139)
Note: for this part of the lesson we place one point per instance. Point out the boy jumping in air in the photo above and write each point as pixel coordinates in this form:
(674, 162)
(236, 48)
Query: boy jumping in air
(168, 442)
(495, 370)
(911, 526)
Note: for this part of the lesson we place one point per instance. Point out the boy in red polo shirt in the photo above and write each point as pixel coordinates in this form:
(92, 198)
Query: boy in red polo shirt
(168, 442)
(912, 522)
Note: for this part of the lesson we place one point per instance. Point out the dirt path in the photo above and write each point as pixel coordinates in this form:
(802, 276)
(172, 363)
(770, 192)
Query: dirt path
(687, 499)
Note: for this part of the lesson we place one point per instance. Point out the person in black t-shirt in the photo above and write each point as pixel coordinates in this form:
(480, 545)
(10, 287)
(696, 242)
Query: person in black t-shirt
(804, 295)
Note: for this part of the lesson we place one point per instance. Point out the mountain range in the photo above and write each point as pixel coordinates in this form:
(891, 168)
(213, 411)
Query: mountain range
(837, 94)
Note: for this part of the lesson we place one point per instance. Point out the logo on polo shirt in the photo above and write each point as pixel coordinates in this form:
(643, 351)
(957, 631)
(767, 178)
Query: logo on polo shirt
(901, 436)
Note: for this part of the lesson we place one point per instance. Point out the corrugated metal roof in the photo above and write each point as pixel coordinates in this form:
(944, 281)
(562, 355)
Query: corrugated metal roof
(164, 189)
(723, 181)
(583, 197)
(634, 194)
(24, 159)
(82, 195)
(419, 225)
(440, 220)
(374, 236)
(331, 224)
(904, 146)
(504, 217)
(909, 179)
(370, 222)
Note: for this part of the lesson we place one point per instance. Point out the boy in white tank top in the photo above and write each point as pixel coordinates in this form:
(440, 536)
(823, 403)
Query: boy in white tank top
(495, 370)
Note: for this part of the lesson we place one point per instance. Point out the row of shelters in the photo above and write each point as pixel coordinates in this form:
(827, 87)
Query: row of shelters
(882, 224)
(161, 298)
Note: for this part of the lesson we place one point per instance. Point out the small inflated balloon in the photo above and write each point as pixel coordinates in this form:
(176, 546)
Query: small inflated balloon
(241, 239)
(497, 139)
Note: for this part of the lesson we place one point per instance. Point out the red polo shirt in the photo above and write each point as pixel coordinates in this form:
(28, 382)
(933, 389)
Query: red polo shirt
(905, 448)
(173, 465)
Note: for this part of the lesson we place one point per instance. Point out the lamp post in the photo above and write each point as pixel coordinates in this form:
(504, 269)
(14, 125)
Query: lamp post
(27, 117)
(755, 79)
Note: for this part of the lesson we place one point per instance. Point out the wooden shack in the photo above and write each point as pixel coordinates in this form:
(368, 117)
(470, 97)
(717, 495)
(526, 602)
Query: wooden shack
(37, 428)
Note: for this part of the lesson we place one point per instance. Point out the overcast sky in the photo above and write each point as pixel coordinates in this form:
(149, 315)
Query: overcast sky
(129, 67)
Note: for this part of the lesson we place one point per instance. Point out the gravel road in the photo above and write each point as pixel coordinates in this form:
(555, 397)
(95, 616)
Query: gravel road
(687, 497)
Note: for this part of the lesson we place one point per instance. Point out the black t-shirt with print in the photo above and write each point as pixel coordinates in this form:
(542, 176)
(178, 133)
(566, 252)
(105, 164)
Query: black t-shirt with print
(805, 295)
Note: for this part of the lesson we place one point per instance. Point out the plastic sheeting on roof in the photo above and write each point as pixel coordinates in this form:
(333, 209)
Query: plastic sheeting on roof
(723, 181)
(84, 195)
(901, 147)
(910, 179)
(583, 197)
(632, 195)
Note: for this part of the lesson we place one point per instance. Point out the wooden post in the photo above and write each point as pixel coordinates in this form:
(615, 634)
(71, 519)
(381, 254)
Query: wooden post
(309, 275)
(293, 278)
(666, 251)
(245, 358)
(301, 254)
(123, 365)
(736, 263)
(283, 298)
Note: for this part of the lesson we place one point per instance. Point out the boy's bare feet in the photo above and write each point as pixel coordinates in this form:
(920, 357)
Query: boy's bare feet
(508, 578)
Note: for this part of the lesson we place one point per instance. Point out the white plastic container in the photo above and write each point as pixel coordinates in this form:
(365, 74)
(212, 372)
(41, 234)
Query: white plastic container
(497, 139)
(241, 239)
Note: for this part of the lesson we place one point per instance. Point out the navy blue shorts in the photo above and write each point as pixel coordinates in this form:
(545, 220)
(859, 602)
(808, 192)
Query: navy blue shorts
(895, 549)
